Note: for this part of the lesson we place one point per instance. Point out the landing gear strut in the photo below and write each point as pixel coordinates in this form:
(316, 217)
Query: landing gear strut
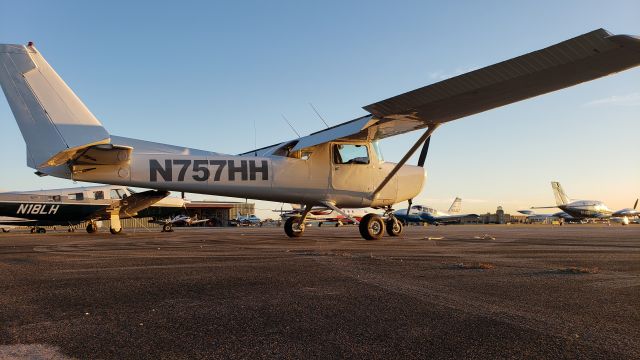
(39, 230)
(372, 226)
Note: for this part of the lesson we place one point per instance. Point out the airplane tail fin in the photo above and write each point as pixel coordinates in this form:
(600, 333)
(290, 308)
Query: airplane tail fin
(561, 197)
(635, 205)
(54, 122)
(456, 206)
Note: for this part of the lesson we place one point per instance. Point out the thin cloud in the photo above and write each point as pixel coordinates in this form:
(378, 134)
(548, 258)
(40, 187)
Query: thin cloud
(443, 75)
(632, 99)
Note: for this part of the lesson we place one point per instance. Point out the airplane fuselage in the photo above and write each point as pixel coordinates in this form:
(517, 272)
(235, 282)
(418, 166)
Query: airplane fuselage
(309, 180)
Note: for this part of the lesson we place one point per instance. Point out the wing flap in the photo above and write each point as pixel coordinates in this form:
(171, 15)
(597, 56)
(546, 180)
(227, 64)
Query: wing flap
(583, 58)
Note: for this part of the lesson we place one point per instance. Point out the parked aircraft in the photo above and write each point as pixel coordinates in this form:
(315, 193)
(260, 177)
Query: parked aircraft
(72, 206)
(178, 220)
(588, 209)
(338, 167)
(421, 214)
(579, 209)
(627, 212)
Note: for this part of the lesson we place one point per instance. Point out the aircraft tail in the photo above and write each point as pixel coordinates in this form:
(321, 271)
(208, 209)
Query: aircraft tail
(54, 122)
(558, 192)
(456, 206)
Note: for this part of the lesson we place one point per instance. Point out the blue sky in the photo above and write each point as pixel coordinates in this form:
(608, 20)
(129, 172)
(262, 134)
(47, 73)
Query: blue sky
(201, 73)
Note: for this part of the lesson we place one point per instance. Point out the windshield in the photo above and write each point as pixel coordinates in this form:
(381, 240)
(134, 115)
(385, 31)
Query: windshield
(376, 148)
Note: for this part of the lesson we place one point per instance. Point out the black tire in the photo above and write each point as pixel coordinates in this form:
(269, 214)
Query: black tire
(114, 231)
(371, 227)
(167, 228)
(33, 230)
(92, 228)
(394, 227)
(292, 227)
(41, 230)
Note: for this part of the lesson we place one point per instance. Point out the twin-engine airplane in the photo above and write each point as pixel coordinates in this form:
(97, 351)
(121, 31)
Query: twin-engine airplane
(587, 209)
(423, 214)
(339, 167)
(72, 206)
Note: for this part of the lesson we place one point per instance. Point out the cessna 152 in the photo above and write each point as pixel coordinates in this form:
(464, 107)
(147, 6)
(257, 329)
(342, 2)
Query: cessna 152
(338, 167)
(73, 206)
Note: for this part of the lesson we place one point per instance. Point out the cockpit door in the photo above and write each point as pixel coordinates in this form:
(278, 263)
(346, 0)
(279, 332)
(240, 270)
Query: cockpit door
(351, 167)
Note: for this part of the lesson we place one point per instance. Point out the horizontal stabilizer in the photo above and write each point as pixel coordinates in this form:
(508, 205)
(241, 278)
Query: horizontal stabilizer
(54, 122)
(583, 58)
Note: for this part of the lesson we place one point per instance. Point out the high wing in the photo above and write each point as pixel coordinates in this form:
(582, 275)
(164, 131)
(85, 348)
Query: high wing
(586, 57)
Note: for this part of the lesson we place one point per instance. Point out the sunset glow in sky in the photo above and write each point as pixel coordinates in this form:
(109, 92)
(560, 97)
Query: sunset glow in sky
(201, 74)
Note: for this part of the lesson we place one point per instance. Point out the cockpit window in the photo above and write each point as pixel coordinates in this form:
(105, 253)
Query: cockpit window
(98, 195)
(115, 194)
(76, 196)
(350, 154)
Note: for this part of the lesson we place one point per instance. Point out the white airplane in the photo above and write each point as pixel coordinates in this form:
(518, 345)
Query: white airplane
(578, 209)
(420, 213)
(178, 220)
(338, 167)
(73, 206)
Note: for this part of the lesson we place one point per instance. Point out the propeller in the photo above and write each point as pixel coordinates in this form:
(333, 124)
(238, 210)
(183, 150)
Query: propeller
(423, 153)
(421, 160)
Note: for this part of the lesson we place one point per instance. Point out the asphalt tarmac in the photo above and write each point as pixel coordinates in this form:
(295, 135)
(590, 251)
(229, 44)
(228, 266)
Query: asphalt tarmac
(473, 291)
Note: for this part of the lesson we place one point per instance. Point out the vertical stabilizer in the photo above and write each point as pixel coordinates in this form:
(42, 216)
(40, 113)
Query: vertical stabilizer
(53, 120)
(561, 197)
(456, 206)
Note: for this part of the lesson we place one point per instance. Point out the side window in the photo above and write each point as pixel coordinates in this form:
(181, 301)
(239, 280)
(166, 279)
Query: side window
(350, 154)
(98, 195)
(76, 196)
(114, 194)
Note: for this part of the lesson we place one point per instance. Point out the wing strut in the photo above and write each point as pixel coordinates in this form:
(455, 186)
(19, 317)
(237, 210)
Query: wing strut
(406, 157)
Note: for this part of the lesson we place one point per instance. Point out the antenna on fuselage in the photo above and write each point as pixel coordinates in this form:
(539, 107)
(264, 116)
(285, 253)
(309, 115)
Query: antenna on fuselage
(291, 126)
(320, 116)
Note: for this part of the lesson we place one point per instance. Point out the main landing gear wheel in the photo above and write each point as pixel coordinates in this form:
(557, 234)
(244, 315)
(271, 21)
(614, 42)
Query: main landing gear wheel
(92, 228)
(114, 231)
(394, 227)
(167, 228)
(371, 227)
(293, 227)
